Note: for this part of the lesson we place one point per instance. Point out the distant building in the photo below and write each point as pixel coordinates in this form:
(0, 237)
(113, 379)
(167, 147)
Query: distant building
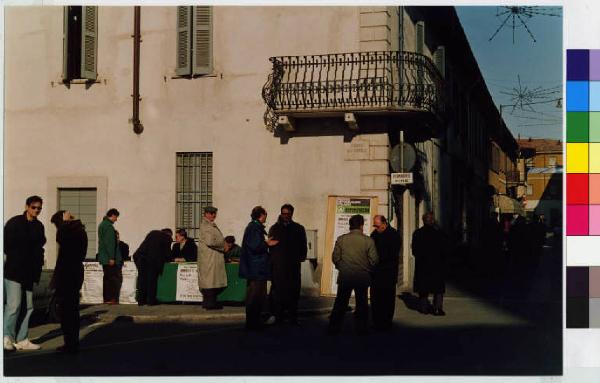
(544, 171)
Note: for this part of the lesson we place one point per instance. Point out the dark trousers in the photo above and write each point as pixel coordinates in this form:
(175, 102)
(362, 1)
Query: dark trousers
(284, 297)
(361, 312)
(68, 303)
(438, 301)
(147, 282)
(383, 303)
(209, 297)
(111, 282)
(256, 296)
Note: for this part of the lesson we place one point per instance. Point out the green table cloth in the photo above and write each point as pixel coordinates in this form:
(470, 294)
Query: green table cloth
(167, 284)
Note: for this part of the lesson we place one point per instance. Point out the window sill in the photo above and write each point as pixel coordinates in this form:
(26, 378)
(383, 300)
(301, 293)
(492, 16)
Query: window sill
(82, 81)
(191, 77)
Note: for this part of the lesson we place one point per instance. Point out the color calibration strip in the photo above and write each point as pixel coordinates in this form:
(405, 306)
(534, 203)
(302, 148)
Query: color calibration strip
(583, 297)
(583, 142)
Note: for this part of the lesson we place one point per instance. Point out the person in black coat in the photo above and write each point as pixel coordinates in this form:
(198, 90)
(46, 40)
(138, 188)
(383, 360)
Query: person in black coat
(385, 275)
(184, 249)
(123, 248)
(286, 258)
(67, 279)
(149, 259)
(428, 247)
(24, 241)
(255, 266)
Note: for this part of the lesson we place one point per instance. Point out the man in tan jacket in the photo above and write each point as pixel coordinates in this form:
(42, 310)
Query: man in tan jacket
(212, 277)
(355, 256)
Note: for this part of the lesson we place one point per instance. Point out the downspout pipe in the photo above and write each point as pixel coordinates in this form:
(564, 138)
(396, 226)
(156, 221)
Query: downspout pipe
(138, 128)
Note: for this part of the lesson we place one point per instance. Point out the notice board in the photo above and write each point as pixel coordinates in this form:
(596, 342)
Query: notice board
(339, 211)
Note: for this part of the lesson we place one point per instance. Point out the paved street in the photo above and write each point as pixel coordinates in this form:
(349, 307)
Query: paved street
(516, 330)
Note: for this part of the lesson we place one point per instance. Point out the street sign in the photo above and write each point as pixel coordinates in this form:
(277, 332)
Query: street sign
(402, 178)
(403, 157)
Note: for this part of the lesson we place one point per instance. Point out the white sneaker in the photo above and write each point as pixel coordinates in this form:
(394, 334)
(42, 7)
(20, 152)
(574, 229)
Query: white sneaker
(26, 345)
(9, 343)
(270, 320)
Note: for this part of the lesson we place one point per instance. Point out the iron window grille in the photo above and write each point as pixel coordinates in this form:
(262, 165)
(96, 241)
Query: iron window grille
(194, 190)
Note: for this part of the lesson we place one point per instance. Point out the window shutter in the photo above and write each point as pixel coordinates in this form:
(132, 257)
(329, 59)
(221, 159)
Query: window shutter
(439, 58)
(65, 41)
(420, 37)
(183, 67)
(89, 42)
(202, 40)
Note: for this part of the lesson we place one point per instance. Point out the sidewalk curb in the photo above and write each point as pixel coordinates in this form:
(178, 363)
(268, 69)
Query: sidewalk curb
(188, 318)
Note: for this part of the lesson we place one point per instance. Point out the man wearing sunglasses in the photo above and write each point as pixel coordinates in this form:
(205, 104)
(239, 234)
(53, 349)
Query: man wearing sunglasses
(24, 241)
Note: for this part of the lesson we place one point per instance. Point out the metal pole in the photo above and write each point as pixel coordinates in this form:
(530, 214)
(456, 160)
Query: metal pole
(137, 125)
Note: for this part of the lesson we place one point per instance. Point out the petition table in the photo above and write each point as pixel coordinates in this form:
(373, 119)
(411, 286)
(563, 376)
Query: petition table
(179, 283)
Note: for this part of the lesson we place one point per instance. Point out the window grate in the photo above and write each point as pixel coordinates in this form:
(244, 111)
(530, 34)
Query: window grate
(193, 190)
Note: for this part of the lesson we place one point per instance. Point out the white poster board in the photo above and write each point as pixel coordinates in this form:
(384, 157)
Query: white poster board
(128, 288)
(339, 211)
(91, 290)
(187, 289)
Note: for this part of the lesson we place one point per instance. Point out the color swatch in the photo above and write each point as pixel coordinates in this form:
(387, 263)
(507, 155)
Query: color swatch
(583, 142)
(583, 297)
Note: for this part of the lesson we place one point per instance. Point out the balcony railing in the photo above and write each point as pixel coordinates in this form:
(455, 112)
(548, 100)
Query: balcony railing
(389, 81)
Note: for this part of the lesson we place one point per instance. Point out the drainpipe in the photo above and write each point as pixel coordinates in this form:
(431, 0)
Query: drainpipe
(138, 128)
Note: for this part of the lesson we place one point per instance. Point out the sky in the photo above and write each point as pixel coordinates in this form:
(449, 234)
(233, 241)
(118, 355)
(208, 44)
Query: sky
(538, 64)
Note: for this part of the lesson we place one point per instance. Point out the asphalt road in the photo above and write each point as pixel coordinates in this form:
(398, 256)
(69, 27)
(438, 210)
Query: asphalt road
(518, 332)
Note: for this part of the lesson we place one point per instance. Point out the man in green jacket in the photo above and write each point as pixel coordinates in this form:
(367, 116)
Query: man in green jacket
(355, 257)
(109, 257)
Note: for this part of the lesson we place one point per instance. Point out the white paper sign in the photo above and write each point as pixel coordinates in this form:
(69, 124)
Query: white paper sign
(128, 288)
(401, 178)
(187, 284)
(344, 209)
(91, 290)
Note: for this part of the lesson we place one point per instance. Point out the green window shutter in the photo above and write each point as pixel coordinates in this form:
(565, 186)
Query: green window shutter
(420, 37)
(202, 40)
(89, 42)
(439, 58)
(65, 41)
(183, 67)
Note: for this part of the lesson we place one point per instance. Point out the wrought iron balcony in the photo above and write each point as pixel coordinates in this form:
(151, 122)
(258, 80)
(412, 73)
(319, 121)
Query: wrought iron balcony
(386, 81)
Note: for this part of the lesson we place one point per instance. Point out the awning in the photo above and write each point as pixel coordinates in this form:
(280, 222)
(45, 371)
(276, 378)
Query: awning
(508, 205)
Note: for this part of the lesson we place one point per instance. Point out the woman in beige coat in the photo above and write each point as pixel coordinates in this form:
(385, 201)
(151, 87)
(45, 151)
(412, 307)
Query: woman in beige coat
(212, 278)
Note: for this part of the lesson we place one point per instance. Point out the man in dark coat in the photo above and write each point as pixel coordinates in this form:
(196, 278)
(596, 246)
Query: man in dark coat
(24, 241)
(286, 258)
(123, 248)
(184, 249)
(255, 266)
(385, 275)
(149, 259)
(354, 256)
(68, 275)
(428, 247)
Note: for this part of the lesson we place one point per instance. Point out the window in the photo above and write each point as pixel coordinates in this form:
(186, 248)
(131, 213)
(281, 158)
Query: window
(81, 202)
(194, 41)
(529, 189)
(194, 189)
(552, 162)
(80, 43)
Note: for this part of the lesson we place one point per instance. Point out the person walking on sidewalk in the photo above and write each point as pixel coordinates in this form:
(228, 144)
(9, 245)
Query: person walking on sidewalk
(212, 277)
(428, 247)
(354, 256)
(67, 279)
(286, 259)
(149, 259)
(255, 266)
(24, 241)
(385, 275)
(109, 256)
